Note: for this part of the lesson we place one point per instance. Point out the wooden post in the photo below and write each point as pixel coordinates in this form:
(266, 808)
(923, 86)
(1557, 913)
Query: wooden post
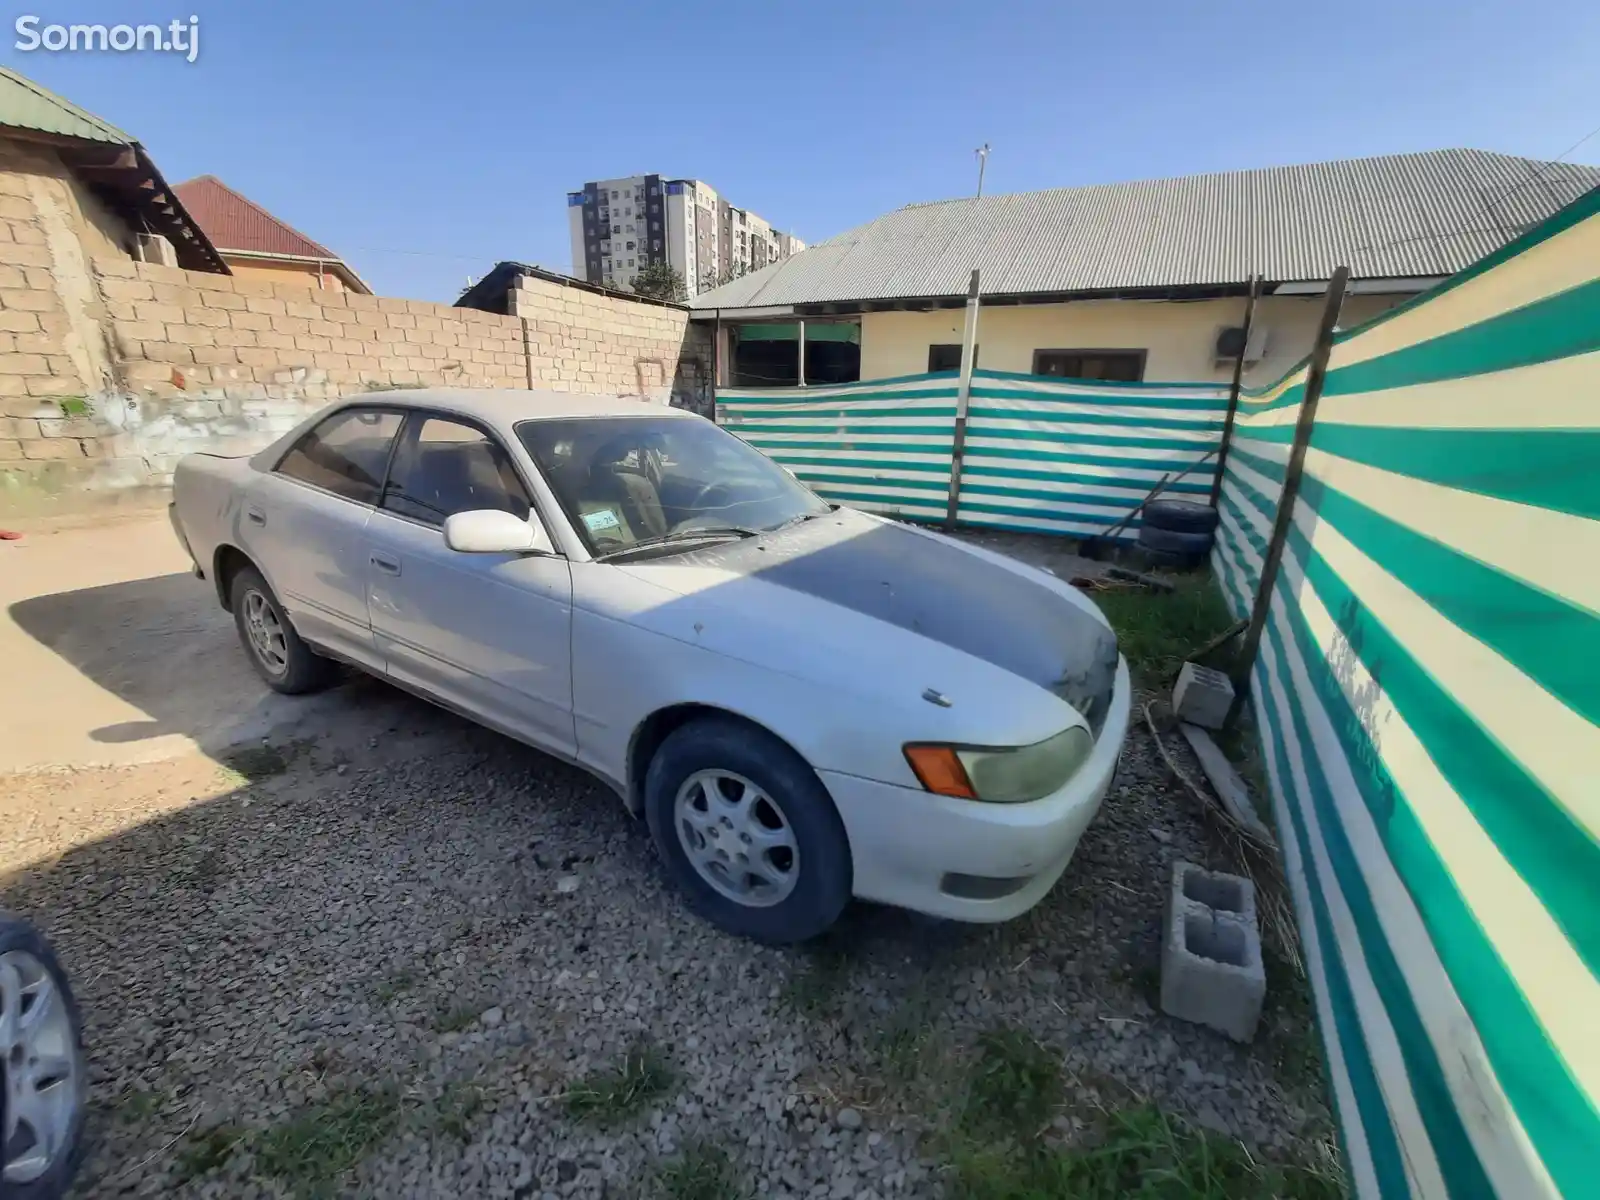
(1316, 373)
(1233, 392)
(969, 352)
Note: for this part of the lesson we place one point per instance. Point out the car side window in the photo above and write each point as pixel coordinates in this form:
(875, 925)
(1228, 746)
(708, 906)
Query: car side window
(444, 467)
(345, 454)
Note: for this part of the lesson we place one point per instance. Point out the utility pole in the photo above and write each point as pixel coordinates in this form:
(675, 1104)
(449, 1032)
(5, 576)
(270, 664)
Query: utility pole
(983, 160)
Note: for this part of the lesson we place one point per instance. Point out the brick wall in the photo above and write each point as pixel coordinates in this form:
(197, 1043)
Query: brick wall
(169, 361)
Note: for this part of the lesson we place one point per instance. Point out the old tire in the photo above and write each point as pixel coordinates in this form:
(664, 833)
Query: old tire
(746, 831)
(43, 1076)
(1180, 516)
(284, 662)
(1168, 541)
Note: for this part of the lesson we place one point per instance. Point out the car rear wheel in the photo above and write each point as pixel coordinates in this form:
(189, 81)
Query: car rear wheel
(747, 832)
(41, 1067)
(282, 660)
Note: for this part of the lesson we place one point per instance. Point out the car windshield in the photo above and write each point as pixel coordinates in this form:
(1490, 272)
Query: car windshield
(628, 480)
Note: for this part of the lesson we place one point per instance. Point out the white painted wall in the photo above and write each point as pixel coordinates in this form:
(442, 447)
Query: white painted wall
(1179, 337)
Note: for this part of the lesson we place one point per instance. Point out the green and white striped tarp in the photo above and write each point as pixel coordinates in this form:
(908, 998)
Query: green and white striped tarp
(1048, 455)
(883, 445)
(1427, 694)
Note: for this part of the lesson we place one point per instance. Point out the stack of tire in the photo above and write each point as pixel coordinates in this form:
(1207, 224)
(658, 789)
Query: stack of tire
(1178, 533)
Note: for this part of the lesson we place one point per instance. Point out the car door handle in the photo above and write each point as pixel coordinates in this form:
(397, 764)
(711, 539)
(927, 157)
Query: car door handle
(255, 516)
(389, 566)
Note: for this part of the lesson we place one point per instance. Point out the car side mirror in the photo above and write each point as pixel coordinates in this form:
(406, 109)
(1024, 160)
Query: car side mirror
(494, 531)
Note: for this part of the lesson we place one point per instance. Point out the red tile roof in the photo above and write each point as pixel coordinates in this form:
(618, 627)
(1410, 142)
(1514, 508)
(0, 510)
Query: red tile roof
(233, 222)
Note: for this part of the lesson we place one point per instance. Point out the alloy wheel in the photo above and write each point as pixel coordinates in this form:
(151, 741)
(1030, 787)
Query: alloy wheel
(737, 838)
(42, 1067)
(267, 639)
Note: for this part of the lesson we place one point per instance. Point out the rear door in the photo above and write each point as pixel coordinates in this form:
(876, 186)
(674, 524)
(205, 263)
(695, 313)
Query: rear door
(304, 525)
(489, 634)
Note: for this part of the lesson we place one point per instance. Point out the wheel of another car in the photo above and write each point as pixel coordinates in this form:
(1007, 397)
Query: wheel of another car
(285, 662)
(42, 1099)
(747, 832)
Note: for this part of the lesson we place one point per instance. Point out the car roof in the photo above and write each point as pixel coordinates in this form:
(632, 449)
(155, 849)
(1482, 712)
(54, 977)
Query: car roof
(506, 406)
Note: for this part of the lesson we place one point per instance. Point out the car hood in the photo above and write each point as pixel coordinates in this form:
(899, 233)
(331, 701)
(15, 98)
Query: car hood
(993, 609)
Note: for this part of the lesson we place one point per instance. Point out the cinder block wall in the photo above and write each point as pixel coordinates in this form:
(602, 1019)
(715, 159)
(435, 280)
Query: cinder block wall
(111, 370)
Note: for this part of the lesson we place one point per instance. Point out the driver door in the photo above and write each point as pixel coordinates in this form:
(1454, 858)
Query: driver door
(488, 634)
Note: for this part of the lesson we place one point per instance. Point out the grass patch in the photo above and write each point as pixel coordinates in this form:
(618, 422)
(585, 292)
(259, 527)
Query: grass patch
(640, 1077)
(1144, 1154)
(396, 984)
(457, 1107)
(1014, 1087)
(816, 982)
(139, 1104)
(206, 1150)
(455, 1020)
(312, 1151)
(1157, 630)
(702, 1171)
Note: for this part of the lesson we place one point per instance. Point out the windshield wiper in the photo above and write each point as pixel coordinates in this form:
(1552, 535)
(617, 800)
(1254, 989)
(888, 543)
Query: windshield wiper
(699, 533)
(802, 518)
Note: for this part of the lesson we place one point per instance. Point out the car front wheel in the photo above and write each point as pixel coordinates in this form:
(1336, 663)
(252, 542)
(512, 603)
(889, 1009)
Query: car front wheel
(747, 831)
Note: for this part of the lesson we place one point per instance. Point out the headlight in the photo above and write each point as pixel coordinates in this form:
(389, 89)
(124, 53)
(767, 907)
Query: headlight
(1005, 775)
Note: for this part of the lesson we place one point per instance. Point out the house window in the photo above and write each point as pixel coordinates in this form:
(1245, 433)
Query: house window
(616, 229)
(1113, 366)
(947, 357)
(630, 245)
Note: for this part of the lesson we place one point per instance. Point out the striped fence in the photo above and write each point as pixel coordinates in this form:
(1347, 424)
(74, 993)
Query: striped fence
(1045, 455)
(1427, 693)
(1428, 686)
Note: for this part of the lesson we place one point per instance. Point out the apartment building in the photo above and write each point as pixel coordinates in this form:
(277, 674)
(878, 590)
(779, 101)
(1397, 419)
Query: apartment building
(619, 226)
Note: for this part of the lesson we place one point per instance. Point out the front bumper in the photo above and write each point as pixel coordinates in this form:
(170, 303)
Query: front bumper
(925, 852)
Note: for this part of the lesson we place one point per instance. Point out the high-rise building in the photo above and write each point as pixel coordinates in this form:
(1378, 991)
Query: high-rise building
(619, 226)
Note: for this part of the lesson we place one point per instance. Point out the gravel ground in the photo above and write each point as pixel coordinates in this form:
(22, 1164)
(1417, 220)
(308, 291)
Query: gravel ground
(407, 944)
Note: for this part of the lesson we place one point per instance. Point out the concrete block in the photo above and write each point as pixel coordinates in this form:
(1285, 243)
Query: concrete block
(1202, 696)
(1211, 969)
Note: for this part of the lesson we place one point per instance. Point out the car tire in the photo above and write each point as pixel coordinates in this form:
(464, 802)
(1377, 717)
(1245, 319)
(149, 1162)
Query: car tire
(25, 960)
(1174, 542)
(284, 662)
(709, 761)
(1180, 516)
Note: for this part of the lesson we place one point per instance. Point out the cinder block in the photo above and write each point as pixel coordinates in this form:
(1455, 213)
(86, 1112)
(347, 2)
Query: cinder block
(1202, 696)
(1211, 969)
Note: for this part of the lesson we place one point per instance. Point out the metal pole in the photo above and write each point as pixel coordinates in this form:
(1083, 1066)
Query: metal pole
(1316, 373)
(716, 363)
(969, 352)
(1233, 392)
(802, 348)
(983, 161)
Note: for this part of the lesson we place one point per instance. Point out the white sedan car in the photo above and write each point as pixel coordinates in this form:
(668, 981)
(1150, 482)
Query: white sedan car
(806, 702)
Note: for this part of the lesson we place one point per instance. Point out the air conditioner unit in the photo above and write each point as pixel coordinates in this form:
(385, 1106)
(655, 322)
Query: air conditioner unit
(1231, 338)
(153, 248)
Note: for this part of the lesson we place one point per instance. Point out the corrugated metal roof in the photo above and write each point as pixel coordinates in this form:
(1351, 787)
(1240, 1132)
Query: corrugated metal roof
(1397, 216)
(26, 105)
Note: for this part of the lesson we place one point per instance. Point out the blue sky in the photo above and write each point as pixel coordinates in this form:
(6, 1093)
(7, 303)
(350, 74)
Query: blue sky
(425, 142)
